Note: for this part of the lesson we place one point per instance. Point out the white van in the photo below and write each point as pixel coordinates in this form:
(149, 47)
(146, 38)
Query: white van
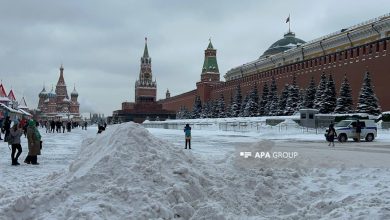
(346, 129)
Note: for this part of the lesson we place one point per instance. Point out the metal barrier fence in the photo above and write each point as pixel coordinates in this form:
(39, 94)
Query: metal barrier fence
(252, 126)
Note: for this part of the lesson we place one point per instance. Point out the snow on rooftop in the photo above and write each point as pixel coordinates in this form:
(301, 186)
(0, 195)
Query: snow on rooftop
(4, 99)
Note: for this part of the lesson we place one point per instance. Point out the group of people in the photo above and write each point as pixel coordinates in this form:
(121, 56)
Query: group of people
(57, 126)
(331, 133)
(13, 134)
(84, 125)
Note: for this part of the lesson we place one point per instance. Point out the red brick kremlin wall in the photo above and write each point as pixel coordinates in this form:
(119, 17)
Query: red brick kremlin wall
(353, 62)
(174, 103)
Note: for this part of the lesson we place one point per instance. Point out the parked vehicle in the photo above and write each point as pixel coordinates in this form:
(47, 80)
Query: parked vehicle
(346, 129)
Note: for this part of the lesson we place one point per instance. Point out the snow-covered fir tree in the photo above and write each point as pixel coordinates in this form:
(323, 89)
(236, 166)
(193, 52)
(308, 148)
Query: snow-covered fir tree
(228, 107)
(210, 109)
(213, 109)
(197, 108)
(272, 107)
(183, 113)
(344, 103)
(251, 107)
(368, 102)
(179, 114)
(236, 105)
(318, 99)
(243, 106)
(329, 97)
(205, 110)
(293, 98)
(221, 107)
(283, 99)
(264, 99)
(302, 94)
(310, 94)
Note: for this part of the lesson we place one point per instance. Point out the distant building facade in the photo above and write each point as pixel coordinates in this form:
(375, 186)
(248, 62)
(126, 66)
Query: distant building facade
(57, 104)
(145, 106)
(10, 107)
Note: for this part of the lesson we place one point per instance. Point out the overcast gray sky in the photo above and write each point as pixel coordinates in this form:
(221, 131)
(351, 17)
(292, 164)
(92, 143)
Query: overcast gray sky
(100, 42)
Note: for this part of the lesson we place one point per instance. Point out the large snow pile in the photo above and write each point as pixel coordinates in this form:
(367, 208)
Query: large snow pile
(126, 173)
(123, 173)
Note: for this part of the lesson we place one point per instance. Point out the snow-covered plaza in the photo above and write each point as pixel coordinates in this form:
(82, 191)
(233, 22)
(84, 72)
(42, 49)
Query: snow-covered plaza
(128, 172)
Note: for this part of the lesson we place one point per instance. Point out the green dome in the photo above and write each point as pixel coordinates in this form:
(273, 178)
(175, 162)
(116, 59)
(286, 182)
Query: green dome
(287, 42)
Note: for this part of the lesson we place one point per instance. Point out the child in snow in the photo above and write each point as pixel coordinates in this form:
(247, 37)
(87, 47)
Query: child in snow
(331, 134)
(15, 134)
(187, 132)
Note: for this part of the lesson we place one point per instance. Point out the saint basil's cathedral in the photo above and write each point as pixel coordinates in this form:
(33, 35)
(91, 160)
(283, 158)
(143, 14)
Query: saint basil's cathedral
(56, 105)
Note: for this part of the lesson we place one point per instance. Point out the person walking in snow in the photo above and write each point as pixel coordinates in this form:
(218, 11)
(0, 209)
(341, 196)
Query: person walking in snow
(187, 132)
(15, 134)
(7, 128)
(358, 130)
(34, 143)
(68, 126)
(52, 126)
(331, 134)
(1, 127)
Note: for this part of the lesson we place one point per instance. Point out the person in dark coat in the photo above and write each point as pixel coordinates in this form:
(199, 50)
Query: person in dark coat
(101, 128)
(34, 143)
(187, 132)
(358, 130)
(52, 126)
(7, 128)
(331, 134)
(15, 134)
(68, 126)
(1, 128)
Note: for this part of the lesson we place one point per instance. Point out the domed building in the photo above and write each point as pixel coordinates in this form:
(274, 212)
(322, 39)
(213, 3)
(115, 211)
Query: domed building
(56, 104)
(289, 41)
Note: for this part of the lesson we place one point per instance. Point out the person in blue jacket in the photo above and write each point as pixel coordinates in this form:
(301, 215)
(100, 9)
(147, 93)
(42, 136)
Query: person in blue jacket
(187, 132)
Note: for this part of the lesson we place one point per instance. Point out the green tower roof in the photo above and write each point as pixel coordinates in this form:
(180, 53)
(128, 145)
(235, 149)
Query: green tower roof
(210, 61)
(210, 46)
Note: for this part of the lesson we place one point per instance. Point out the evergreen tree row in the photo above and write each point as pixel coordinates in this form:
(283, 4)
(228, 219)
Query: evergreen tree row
(322, 97)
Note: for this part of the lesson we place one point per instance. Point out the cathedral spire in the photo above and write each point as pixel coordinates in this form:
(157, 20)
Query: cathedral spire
(61, 80)
(60, 89)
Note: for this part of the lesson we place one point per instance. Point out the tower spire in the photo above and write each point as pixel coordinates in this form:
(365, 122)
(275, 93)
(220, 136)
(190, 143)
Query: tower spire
(210, 46)
(145, 87)
(146, 52)
(210, 60)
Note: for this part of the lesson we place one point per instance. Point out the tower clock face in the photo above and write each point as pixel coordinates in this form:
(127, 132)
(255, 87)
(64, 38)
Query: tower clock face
(147, 75)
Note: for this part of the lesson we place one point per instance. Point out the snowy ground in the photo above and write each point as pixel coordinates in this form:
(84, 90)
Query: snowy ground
(126, 173)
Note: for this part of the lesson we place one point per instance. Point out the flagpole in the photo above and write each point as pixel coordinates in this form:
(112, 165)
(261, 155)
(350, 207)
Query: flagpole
(289, 20)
